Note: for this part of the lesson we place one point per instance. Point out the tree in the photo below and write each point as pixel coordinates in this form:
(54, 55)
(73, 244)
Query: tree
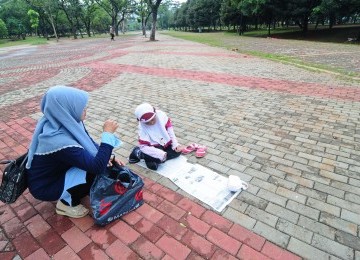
(72, 10)
(144, 14)
(34, 19)
(48, 10)
(301, 10)
(154, 7)
(115, 8)
(180, 17)
(101, 21)
(229, 13)
(3, 29)
(88, 12)
(13, 13)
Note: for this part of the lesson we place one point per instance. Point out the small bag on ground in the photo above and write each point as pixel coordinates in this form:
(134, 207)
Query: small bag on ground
(115, 193)
(14, 181)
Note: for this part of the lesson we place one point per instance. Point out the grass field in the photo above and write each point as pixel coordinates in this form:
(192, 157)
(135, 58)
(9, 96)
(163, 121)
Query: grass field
(28, 40)
(338, 34)
(232, 41)
(35, 40)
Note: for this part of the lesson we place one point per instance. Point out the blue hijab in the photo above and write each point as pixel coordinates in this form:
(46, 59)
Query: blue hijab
(61, 125)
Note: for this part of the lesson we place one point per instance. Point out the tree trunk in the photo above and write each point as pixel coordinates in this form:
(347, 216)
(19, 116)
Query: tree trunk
(143, 28)
(153, 25)
(305, 24)
(53, 26)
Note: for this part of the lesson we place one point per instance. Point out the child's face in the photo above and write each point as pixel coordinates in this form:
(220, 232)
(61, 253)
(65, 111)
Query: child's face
(152, 121)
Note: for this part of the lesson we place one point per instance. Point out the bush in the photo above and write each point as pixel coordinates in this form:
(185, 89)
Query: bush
(3, 29)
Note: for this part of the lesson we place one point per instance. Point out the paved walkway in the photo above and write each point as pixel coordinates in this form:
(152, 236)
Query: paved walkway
(292, 134)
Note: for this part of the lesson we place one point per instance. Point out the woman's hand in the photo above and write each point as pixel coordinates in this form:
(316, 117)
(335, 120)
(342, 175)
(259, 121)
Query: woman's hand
(110, 126)
(111, 161)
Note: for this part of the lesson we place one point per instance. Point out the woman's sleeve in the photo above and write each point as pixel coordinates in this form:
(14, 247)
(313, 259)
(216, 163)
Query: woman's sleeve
(80, 158)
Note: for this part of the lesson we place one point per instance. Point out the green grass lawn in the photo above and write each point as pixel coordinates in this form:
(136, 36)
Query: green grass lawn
(229, 40)
(338, 34)
(34, 40)
(28, 41)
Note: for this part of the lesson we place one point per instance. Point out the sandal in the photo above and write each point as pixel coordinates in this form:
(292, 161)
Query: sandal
(200, 151)
(190, 148)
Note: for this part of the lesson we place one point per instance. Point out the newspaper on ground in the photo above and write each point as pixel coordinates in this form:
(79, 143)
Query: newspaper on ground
(199, 181)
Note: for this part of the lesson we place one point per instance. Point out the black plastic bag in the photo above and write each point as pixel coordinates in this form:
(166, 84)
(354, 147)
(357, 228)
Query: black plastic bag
(115, 193)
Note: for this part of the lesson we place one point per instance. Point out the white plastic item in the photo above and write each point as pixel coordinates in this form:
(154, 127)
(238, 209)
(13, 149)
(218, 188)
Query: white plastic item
(235, 183)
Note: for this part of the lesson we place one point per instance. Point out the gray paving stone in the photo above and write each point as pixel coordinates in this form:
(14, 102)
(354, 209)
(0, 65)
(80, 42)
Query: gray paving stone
(322, 206)
(319, 195)
(238, 205)
(337, 249)
(303, 210)
(329, 190)
(270, 196)
(300, 181)
(294, 230)
(271, 234)
(274, 172)
(347, 239)
(282, 183)
(282, 212)
(307, 251)
(264, 184)
(315, 177)
(239, 218)
(338, 223)
(345, 187)
(355, 207)
(261, 215)
(253, 200)
(256, 173)
(291, 195)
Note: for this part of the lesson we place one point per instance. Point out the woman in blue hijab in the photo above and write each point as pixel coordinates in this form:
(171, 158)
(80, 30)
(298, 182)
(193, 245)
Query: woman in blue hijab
(63, 159)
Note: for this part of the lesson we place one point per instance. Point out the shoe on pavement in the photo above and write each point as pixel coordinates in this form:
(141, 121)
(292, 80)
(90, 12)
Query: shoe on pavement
(135, 155)
(78, 211)
(152, 165)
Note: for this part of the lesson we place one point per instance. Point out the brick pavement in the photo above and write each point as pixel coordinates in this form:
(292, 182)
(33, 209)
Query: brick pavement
(291, 133)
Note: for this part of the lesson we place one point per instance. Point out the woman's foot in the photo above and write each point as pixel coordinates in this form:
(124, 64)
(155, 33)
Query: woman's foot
(78, 211)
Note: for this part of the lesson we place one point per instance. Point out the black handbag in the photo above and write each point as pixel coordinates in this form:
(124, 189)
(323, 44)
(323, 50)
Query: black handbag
(14, 181)
(115, 193)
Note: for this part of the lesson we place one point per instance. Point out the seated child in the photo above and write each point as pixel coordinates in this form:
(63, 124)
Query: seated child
(157, 140)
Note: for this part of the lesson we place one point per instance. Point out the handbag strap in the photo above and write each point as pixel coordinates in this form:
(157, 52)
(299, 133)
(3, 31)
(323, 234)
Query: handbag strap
(10, 161)
(24, 160)
(6, 161)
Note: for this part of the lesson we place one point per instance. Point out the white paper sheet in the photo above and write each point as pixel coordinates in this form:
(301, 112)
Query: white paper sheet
(199, 181)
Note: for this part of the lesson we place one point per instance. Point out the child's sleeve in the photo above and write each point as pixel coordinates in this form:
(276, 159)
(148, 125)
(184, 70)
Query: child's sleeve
(170, 130)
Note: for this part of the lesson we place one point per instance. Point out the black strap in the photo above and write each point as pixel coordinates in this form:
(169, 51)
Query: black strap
(7, 161)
